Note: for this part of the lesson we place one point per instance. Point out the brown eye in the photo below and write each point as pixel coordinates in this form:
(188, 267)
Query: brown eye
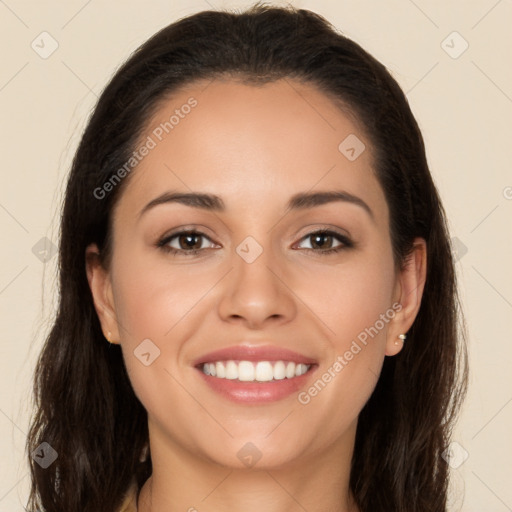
(190, 241)
(322, 242)
(185, 242)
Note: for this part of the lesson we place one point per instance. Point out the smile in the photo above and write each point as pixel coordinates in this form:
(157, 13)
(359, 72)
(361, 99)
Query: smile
(255, 374)
(255, 371)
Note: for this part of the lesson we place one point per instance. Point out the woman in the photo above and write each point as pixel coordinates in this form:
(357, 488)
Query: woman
(258, 306)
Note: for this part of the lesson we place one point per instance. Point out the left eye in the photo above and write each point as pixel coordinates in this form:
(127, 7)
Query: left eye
(320, 239)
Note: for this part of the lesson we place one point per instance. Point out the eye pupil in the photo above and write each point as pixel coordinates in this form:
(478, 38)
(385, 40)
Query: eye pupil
(189, 241)
(319, 237)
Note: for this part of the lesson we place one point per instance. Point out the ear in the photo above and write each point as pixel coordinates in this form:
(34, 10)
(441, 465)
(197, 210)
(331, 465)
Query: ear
(101, 289)
(408, 293)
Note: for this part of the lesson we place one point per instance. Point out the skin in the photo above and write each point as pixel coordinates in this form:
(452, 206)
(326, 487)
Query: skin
(254, 147)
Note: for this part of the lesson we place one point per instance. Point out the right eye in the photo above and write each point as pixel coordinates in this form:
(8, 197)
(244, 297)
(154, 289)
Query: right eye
(184, 242)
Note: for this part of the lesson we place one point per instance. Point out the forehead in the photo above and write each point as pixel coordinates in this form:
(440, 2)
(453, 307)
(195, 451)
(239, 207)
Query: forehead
(249, 143)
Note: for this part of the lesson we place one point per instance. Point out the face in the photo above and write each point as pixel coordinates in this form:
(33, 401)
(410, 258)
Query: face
(287, 268)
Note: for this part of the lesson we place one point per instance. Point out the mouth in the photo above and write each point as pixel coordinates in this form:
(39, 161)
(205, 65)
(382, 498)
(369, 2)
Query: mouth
(255, 374)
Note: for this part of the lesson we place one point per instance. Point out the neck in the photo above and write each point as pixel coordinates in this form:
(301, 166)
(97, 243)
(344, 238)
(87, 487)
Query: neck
(183, 482)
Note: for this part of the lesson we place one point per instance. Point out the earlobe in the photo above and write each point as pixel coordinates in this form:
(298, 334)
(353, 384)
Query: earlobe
(410, 285)
(101, 290)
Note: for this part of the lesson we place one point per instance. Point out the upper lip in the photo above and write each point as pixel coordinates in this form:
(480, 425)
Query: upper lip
(254, 353)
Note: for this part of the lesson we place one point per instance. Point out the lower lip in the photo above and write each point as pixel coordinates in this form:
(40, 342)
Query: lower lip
(257, 392)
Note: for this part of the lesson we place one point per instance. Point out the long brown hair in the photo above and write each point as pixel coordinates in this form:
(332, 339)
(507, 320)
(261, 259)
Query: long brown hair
(85, 406)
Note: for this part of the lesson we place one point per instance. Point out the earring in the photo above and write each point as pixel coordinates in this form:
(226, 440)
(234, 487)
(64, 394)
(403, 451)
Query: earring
(402, 337)
(109, 335)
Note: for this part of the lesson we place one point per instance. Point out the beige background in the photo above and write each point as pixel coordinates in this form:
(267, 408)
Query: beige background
(463, 105)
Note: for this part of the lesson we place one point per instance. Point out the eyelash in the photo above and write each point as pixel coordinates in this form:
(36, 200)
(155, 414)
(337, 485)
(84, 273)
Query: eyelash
(163, 243)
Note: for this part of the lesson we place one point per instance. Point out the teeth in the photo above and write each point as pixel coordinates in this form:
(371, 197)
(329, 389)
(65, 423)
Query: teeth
(279, 370)
(262, 371)
(301, 369)
(220, 369)
(231, 370)
(290, 370)
(246, 371)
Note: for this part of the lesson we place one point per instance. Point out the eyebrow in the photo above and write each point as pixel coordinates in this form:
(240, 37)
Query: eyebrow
(300, 201)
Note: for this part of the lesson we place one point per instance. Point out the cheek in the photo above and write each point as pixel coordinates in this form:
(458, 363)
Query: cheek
(350, 297)
(152, 300)
(158, 308)
(354, 302)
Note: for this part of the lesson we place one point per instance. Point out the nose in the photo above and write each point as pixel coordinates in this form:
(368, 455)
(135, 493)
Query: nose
(256, 293)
